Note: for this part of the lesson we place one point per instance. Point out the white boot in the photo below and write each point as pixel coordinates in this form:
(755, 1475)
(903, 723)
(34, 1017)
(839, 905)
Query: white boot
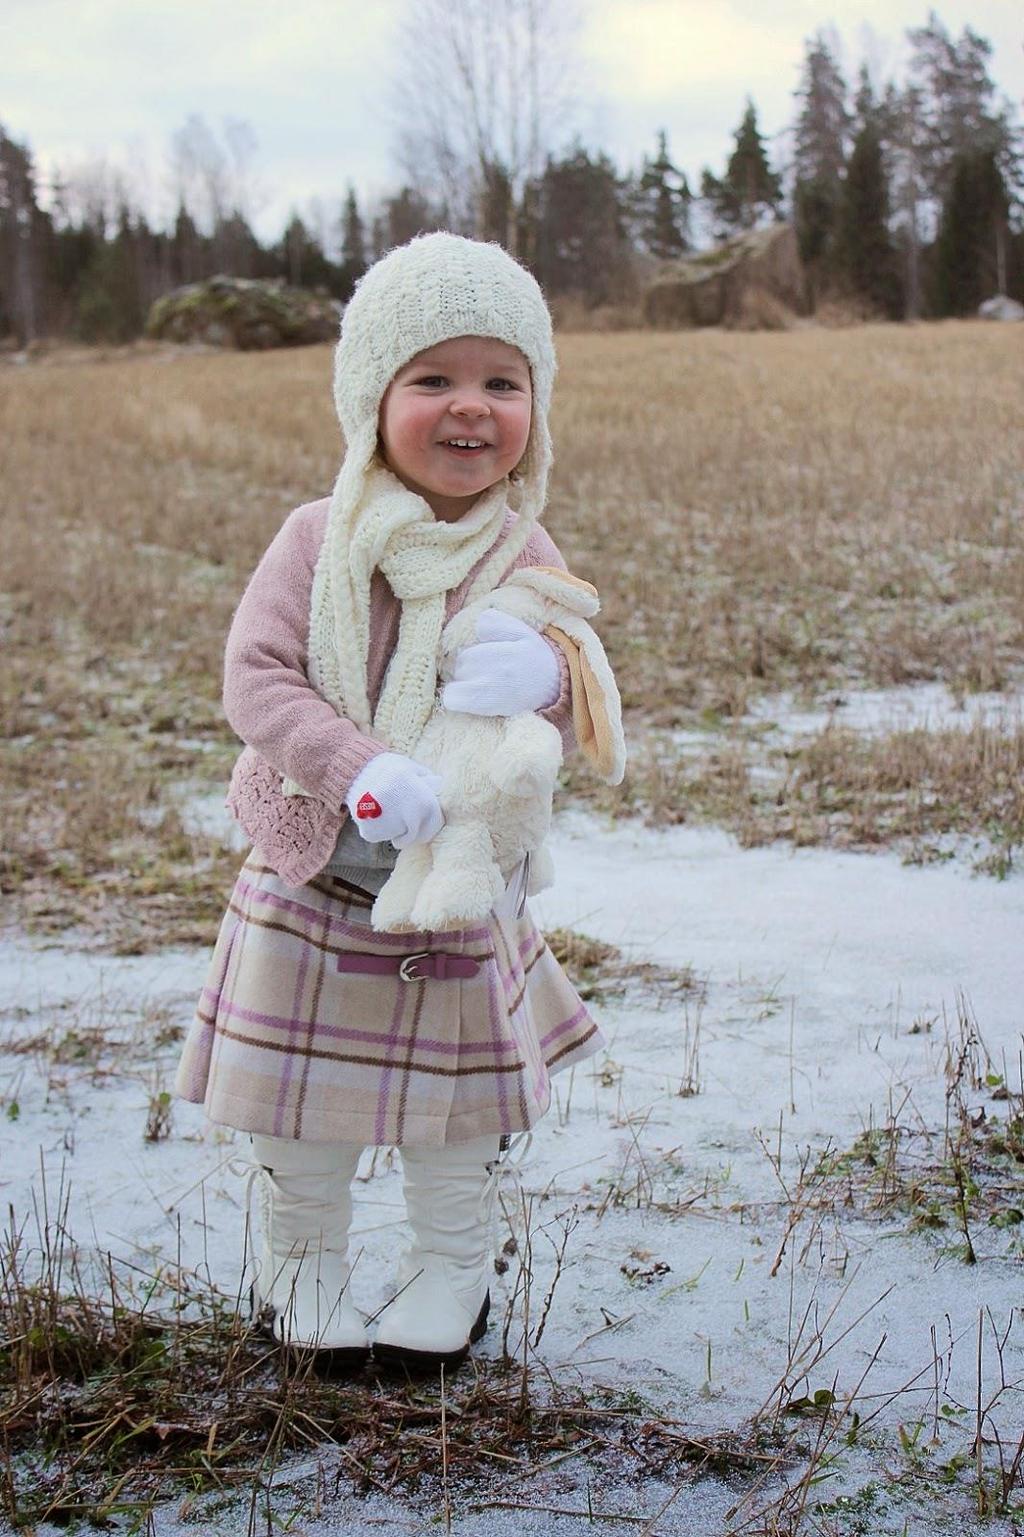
(301, 1283)
(443, 1299)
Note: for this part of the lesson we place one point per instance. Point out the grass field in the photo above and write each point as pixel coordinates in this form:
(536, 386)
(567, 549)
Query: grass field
(794, 516)
(782, 1211)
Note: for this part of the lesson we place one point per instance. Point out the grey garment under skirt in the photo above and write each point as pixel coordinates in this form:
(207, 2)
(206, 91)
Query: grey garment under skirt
(360, 863)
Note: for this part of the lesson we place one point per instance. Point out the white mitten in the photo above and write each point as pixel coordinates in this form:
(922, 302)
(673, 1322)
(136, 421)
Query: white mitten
(394, 797)
(510, 670)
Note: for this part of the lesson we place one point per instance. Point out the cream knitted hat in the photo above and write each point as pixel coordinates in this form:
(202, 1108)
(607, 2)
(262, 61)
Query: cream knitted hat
(437, 287)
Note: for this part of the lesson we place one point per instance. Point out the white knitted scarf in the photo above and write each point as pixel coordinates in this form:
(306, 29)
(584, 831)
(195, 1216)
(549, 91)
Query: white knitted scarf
(423, 558)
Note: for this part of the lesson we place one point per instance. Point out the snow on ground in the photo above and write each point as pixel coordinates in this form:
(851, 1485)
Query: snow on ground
(834, 983)
(912, 706)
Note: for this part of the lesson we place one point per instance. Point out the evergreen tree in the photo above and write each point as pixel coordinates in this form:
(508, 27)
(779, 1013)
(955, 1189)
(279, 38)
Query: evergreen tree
(187, 249)
(496, 210)
(236, 248)
(750, 188)
(867, 108)
(958, 111)
(20, 227)
(662, 205)
(353, 244)
(110, 306)
(970, 249)
(302, 259)
(405, 214)
(866, 255)
(528, 222)
(72, 250)
(815, 211)
(820, 138)
(582, 241)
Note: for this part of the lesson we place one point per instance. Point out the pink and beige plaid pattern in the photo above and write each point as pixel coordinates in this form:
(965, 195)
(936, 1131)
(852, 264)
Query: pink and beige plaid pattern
(285, 1044)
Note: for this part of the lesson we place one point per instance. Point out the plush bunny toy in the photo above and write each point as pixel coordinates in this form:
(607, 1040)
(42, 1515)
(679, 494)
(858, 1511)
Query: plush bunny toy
(499, 772)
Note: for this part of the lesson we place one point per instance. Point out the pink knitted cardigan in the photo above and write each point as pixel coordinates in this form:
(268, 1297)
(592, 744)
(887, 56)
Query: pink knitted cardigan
(289, 729)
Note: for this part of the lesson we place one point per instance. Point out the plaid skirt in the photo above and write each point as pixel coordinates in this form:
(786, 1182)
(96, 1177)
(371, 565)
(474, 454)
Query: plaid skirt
(286, 1044)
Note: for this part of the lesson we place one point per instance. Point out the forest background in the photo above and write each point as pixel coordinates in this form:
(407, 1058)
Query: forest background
(906, 192)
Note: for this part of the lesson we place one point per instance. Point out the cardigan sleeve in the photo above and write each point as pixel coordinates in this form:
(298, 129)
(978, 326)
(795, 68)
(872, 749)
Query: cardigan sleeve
(268, 698)
(541, 550)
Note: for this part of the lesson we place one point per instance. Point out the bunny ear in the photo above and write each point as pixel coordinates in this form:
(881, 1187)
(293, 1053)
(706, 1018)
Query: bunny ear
(493, 624)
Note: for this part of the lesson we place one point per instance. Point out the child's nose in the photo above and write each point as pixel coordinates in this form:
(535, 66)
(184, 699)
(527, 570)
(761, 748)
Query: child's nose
(470, 405)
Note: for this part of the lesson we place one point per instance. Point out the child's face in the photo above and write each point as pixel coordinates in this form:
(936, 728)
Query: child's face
(471, 389)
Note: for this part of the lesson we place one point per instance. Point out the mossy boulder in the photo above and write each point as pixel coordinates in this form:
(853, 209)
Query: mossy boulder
(251, 314)
(755, 280)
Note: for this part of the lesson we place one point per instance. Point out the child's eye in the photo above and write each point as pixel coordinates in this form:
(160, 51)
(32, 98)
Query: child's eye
(501, 384)
(433, 380)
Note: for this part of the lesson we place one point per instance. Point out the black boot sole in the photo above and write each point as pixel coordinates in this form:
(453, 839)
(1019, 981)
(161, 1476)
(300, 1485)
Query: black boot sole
(335, 1361)
(424, 1362)
(350, 1362)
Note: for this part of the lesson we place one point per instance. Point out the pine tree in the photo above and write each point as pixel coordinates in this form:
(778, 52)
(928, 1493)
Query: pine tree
(496, 209)
(235, 246)
(958, 111)
(405, 214)
(353, 244)
(110, 306)
(72, 250)
(20, 268)
(302, 258)
(820, 138)
(866, 256)
(750, 188)
(866, 106)
(294, 242)
(582, 240)
(187, 248)
(662, 205)
(972, 234)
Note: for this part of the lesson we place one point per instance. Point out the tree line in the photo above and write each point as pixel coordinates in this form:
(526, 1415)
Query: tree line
(906, 201)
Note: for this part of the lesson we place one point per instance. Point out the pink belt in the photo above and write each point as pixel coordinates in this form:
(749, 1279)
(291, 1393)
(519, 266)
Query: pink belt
(439, 965)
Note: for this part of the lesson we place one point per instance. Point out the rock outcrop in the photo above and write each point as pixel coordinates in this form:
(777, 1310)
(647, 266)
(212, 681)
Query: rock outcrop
(251, 314)
(755, 281)
(1001, 308)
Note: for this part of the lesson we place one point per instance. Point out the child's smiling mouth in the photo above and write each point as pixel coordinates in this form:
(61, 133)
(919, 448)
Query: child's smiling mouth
(466, 448)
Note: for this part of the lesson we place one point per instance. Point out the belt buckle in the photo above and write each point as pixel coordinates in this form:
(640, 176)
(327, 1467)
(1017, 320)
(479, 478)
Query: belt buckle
(408, 962)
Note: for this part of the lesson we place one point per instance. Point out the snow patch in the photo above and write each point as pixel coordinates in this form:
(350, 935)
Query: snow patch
(833, 983)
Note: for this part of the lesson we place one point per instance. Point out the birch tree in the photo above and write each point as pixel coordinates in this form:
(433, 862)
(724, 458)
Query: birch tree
(481, 92)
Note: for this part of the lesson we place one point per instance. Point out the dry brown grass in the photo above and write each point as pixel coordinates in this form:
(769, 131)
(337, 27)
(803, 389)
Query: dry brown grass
(122, 1388)
(931, 794)
(809, 510)
(915, 787)
(600, 971)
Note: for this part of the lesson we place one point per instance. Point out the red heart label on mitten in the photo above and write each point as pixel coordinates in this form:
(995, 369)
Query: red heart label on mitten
(368, 806)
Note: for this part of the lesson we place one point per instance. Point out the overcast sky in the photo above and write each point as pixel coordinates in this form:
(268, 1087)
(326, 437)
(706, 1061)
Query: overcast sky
(114, 78)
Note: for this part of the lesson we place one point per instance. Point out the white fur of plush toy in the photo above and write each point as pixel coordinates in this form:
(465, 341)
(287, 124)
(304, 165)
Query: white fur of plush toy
(499, 775)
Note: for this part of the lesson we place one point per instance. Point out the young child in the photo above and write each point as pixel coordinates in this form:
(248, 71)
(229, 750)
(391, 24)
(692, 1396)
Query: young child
(315, 1034)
